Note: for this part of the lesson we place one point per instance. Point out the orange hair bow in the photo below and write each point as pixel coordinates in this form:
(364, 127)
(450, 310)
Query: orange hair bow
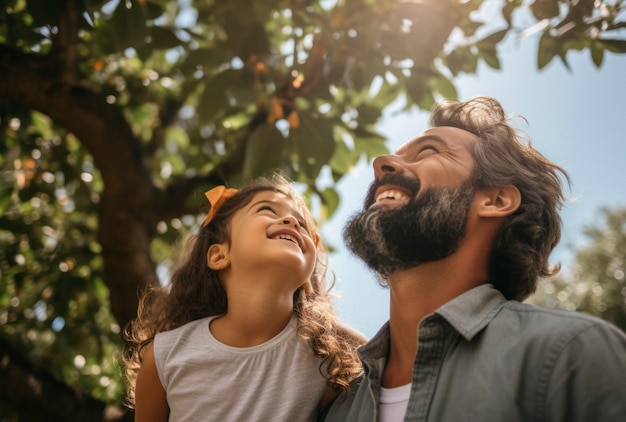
(217, 196)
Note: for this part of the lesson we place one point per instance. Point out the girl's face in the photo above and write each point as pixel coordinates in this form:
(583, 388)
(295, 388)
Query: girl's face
(270, 233)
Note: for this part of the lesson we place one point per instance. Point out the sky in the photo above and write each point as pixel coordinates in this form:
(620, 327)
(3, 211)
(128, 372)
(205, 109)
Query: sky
(575, 118)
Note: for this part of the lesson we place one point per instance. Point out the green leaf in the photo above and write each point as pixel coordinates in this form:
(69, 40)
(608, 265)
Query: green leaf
(491, 58)
(368, 113)
(546, 50)
(204, 58)
(129, 25)
(386, 95)
(443, 86)
(241, 90)
(315, 142)
(237, 121)
(461, 60)
(470, 27)
(509, 8)
(597, 54)
(330, 202)
(214, 98)
(264, 151)
(177, 135)
(418, 90)
(493, 39)
(163, 38)
(614, 46)
(178, 164)
(487, 48)
(372, 147)
(5, 198)
(544, 9)
(153, 10)
(342, 160)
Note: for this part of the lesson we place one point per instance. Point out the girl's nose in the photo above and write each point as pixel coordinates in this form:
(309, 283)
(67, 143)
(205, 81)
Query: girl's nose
(386, 164)
(290, 220)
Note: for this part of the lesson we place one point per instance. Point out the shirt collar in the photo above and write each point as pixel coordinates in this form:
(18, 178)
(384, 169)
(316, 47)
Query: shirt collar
(467, 313)
(378, 346)
(472, 311)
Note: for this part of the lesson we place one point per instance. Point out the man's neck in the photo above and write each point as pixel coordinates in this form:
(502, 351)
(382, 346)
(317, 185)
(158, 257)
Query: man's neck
(414, 294)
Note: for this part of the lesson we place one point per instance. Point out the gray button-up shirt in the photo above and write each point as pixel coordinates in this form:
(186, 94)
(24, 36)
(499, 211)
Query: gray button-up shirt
(484, 358)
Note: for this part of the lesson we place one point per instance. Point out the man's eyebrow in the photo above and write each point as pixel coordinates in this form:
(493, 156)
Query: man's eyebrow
(426, 138)
(420, 140)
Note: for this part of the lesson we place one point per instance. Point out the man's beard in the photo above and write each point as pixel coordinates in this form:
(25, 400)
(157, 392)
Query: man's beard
(426, 229)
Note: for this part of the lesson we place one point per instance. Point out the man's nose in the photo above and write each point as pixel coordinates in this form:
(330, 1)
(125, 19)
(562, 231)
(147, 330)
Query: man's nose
(386, 164)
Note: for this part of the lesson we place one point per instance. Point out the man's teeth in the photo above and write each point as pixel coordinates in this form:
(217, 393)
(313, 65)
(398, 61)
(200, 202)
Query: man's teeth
(391, 194)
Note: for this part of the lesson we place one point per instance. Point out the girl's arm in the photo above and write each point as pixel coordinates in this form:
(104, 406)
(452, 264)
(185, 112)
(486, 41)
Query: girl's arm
(150, 401)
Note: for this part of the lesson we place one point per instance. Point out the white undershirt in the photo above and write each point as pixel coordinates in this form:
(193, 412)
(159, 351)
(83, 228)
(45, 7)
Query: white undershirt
(393, 403)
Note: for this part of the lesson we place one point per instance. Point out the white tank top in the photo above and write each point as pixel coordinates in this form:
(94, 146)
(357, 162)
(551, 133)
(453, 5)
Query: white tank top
(393, 403)
(204, 380)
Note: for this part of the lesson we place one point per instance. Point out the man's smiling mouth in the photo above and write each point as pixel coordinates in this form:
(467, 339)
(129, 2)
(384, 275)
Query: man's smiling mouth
(392, 194)
(392, 190)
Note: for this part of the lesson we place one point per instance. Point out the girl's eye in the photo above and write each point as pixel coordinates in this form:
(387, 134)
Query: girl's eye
(266, 208)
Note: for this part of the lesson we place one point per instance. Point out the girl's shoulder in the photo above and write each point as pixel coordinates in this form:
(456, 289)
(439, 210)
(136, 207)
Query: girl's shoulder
(189, 329)
(353, 336)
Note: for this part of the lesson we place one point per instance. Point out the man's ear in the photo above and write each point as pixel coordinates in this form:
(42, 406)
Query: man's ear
(217, 257)
(499, 202)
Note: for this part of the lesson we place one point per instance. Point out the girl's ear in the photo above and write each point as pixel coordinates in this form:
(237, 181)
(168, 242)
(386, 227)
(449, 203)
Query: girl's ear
(217, 257)
(499, 202)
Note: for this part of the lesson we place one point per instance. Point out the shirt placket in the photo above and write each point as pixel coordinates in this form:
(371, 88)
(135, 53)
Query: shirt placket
(428, 361)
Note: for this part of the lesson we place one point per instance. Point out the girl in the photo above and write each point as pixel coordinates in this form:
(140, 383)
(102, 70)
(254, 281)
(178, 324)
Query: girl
(246, 330)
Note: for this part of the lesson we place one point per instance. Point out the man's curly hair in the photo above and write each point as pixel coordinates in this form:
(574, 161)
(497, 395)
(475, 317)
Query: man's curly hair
(504, 156)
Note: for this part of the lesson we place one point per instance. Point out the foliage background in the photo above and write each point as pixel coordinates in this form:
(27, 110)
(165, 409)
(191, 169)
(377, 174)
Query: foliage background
(116, 115)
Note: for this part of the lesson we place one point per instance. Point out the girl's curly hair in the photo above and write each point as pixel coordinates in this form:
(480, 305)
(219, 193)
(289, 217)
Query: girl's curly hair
(195, 292)
(502, 156)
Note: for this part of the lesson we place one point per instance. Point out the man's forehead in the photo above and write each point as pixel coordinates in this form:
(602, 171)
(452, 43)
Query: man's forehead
(448, 135)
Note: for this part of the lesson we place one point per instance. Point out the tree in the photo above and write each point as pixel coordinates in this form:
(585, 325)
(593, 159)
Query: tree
(596, 284)
(116, 115)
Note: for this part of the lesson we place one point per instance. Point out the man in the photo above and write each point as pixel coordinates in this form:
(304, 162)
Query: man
(459, 223)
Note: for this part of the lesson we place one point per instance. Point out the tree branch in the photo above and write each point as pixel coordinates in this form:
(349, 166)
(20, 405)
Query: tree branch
(65, 41)
(128, 209)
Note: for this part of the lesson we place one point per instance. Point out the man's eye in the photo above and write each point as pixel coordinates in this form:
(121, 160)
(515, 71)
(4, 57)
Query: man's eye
(428, 148)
